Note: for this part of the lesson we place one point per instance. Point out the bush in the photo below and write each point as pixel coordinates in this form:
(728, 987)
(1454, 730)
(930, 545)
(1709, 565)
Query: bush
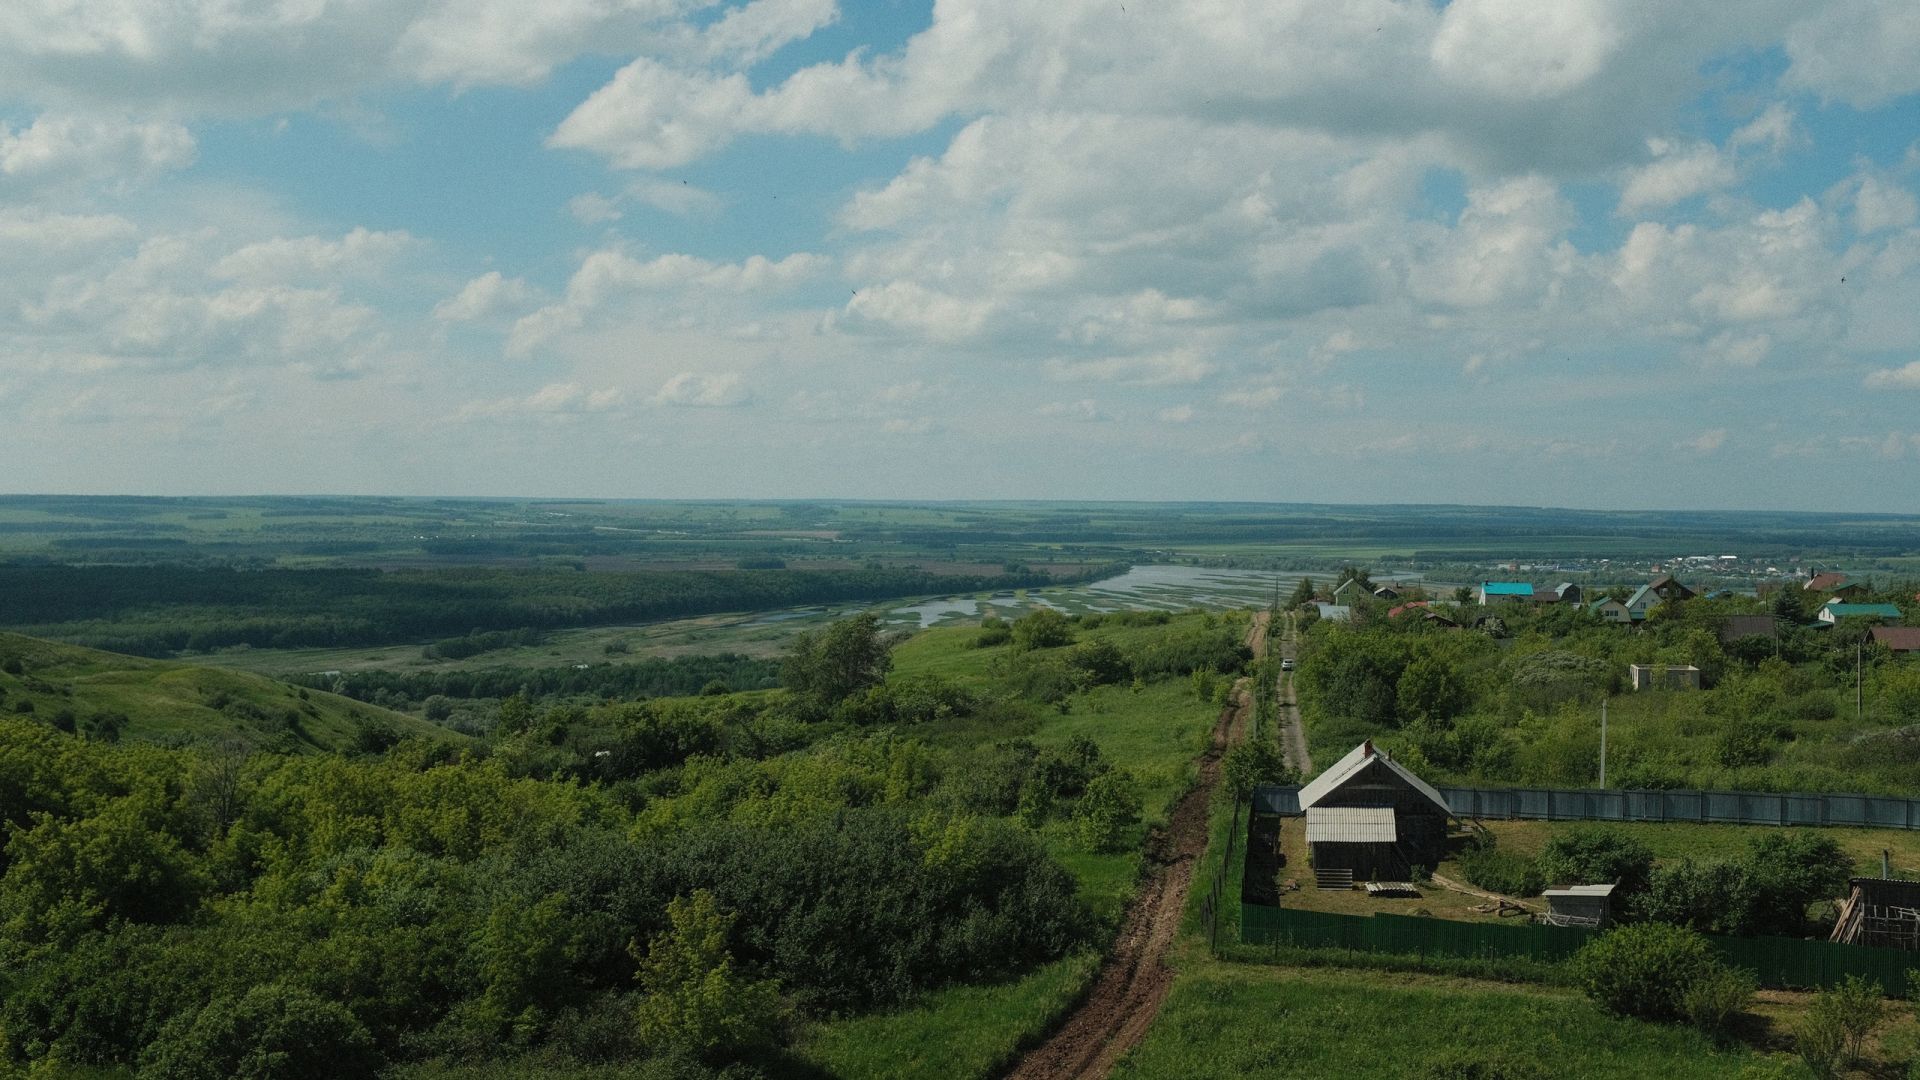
(1256, 761)
(1110, 807)
(1042, 628)
(1595, 854)
(274, 1032)
(1645, 971)
(696, 1003)
(1477, 1065)
(1713, 1002)
(1502, 872)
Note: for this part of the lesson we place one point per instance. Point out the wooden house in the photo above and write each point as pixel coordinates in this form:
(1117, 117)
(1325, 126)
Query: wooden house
(1372, 819)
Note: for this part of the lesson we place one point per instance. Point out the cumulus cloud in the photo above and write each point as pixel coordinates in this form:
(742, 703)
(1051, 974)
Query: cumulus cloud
(1900, 378)
(57, 150)
(361, 251)
(489, 294)
(608, 278)
(1706, 442)
(720, 390)
(552, 400)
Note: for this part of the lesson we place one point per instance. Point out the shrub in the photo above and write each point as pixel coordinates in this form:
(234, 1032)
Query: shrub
(1255, 761)
(1592, 854)
(1110, 807)
(1713, 1001)
(1645, 971)
(1478, 1065)
(696, 1003)
(274, 1032)
(1502, 872)
(1821, 1039)
(1042, 628)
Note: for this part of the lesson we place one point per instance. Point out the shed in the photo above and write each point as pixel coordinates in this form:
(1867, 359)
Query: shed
(1880, 911)
(1369, 815)
(1674, 676)
(1498, 592)
(1580, 905)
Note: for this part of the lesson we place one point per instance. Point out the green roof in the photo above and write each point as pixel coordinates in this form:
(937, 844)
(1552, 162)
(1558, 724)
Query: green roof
(1884, 611)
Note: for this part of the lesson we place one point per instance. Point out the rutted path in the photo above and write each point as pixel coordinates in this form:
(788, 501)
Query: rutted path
(1293, 737)
(1135, 978)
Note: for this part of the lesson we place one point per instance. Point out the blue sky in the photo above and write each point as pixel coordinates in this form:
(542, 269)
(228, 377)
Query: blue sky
(1588, 253)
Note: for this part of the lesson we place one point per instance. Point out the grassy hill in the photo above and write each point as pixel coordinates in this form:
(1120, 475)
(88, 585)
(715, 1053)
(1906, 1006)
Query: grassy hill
(85, 689)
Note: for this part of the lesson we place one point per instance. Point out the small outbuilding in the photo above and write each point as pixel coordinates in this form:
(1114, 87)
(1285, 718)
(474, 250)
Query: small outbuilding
(1370, 816)
(1580, 905)
(1663, 676)
(1880, 911)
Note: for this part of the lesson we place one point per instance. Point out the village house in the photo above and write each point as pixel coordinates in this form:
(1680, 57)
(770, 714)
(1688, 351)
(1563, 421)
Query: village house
(1899, 640)
(1504, 592)
(1370, 819)
(1734, 627)
(1832, 584)
(1613, 611)
(1835, 610)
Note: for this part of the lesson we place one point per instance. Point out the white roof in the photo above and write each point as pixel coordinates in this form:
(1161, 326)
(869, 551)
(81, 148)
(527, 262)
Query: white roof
(1581, 890)
(1350, 825)
(1357, 759)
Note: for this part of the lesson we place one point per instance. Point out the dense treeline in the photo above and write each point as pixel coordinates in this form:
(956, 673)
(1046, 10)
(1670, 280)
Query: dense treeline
(1514, 697)
(165, 609)
(668, 884)
(676, 676)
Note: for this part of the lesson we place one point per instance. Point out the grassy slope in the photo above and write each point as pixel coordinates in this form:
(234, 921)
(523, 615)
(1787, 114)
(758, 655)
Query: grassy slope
(972, 1031)
(1250, 1021)
(170, 701)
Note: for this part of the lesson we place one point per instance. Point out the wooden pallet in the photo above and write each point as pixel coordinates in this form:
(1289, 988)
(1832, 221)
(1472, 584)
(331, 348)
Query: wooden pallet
(1333, 879)
(1392, 889)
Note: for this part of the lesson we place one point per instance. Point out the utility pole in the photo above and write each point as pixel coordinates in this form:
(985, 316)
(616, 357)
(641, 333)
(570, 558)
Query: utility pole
(1603, 743)
(1856, 682)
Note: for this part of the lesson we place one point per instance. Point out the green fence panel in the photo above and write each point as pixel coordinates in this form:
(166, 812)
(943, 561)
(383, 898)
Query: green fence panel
(1775, 962)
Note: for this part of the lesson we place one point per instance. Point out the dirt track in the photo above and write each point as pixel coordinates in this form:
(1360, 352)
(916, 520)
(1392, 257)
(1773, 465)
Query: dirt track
(1134, 980)
(1293, 737)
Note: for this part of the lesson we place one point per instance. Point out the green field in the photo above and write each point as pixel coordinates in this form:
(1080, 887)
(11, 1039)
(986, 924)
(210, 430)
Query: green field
(171, 702)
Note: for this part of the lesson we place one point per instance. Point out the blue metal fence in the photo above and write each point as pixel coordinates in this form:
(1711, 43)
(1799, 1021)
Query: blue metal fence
(1574, 804)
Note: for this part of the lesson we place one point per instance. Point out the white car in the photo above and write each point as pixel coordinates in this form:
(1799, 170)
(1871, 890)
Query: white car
(1286, 663)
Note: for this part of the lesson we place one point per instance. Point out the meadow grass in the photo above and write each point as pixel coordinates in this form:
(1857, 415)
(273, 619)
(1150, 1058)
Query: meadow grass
(952, 1034)
(1224, 1019)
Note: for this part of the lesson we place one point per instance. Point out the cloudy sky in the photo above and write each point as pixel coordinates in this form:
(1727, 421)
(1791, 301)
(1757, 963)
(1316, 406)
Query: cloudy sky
(1641, 253)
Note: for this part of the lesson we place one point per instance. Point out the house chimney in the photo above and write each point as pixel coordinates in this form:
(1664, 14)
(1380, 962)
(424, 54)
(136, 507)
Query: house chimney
(1366, 748)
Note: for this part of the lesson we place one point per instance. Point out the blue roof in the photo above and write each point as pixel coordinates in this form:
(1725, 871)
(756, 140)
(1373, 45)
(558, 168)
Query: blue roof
(1507, 588)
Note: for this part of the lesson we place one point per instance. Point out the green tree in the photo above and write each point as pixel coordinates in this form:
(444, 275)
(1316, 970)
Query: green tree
(1109, 808)
(696, 1003)
(844, 659)
(1593, 854)
(1644, 971)
(1253, 762)
(274, 1032)
(1302, 594)
(1430, 690)
(1042, 628)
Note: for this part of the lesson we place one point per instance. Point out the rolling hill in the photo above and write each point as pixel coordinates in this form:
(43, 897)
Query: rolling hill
(90, 691)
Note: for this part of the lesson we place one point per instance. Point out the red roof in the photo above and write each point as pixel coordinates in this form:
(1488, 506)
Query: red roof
(1898, 638)
(1823, 582)
(1394, 613)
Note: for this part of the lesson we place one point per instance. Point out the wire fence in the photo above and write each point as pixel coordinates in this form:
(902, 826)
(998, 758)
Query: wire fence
(1723, 807)
(1210, 908)
(1778, 963)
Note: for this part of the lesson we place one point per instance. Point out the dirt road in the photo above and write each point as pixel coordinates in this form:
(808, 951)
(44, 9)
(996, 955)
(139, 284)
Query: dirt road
(1133, 982)
(1293, 737)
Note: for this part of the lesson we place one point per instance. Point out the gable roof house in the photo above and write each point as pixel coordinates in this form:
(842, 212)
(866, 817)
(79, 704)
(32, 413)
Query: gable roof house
(1349, 588)
(1614, 611)
(1387, 592)
(1368, 815)
(1834, 584)
(1734, 627)
(1503, 592)
(1835, 610)
(1897, 639)
(1666, 588)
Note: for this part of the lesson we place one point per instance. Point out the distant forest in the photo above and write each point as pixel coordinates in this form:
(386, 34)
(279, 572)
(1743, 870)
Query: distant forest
(162, 610)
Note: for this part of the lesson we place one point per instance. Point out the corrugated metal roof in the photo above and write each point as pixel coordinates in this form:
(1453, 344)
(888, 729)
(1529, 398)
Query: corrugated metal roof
(1358, 758)
(1581, 890)
(1350, 825)
(1507, 588)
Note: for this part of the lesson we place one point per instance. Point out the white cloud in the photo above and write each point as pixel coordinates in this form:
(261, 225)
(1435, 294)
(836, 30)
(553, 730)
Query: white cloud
(717, 391)
(1676, 172)
(1176, 414)
(1176, 366)
(552, 400)
(1881, 205)
(489, 294)
(63, 149)
(593, 208)
(1085, 411)
(608, 279)
(1773, 129)
(1900, 378)
(1856, 51)
(361, 251)
(1706, 442)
